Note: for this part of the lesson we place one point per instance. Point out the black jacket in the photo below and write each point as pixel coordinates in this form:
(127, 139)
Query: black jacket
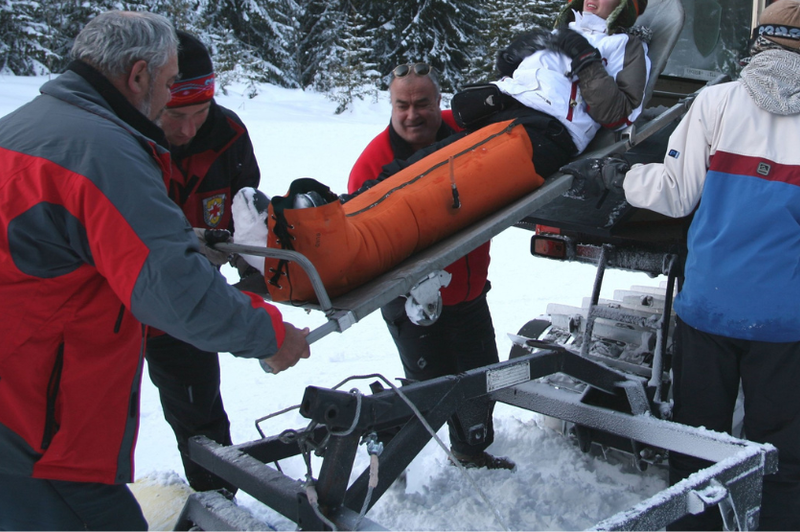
(211, 169)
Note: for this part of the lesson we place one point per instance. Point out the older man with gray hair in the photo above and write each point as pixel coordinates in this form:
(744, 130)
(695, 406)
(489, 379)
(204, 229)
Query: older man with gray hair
(92, 250)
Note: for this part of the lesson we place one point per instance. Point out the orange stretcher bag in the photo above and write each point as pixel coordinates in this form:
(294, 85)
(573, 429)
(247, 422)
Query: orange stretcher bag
(352, 243)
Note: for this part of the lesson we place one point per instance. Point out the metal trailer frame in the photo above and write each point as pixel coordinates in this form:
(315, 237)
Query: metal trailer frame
(340, 420)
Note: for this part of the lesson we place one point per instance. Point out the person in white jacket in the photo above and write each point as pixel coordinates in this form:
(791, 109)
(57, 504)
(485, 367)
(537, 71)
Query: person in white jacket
(734, 162)
(590, 73)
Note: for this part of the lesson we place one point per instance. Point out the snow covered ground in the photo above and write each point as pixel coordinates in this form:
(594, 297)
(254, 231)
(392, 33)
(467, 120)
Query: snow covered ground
(555, 486)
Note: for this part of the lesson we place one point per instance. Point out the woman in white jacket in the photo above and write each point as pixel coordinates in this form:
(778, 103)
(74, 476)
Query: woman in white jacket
(589, 75)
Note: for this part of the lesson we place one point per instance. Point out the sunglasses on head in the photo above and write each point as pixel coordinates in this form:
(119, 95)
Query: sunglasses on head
(420, 69)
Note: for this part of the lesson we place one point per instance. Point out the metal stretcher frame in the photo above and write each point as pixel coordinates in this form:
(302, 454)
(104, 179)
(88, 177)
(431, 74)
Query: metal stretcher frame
(664, 18)
(733, 482)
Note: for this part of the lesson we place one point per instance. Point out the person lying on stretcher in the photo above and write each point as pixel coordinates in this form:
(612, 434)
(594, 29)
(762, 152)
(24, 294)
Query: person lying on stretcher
(558, 87)
(587, 74)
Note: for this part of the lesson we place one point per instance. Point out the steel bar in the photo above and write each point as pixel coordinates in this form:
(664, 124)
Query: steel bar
(285, 495)
(210, 510)
(545, 399)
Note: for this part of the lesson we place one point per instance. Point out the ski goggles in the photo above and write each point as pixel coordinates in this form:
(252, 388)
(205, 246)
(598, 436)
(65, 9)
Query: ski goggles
(420, 69)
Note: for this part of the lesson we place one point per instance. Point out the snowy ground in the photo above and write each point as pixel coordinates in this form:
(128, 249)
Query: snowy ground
(555, 486)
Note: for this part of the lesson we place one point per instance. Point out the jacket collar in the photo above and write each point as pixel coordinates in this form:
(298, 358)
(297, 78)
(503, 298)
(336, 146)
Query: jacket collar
(121, 107)
(402, 150)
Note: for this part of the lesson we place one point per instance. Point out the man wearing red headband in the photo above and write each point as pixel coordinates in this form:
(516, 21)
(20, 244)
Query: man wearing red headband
(212, 159)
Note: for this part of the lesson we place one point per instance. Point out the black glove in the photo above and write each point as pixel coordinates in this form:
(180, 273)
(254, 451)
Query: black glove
(209, 237)
(576, 47)
(521, 47)
(217, 236)
(596, 177)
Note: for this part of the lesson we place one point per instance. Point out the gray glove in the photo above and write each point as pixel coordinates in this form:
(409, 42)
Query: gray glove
(209, 237)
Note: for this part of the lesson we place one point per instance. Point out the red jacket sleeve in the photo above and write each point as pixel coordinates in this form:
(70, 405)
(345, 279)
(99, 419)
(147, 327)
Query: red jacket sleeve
(371, 161)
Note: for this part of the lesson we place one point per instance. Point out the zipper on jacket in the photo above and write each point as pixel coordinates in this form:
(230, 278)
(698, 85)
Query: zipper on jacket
(573, 102)
(50, 424)
(118, 324)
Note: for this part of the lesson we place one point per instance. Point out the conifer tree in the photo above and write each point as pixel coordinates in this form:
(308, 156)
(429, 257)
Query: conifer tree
(29, 44)
(255, 39)
(341, 46)
(504, 20)
(347, 70)
(439, 32)
(319, 31)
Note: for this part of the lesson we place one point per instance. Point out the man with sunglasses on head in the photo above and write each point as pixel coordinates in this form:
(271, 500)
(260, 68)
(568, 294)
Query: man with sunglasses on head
(562, 86)
(463, 337)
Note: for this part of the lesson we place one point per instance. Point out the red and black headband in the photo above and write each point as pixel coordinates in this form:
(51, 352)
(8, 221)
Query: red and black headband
(192, 91)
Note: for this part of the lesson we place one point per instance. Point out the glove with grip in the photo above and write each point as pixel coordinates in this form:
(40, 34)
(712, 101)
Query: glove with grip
(576, 47)
(209, 237)
(596, 177)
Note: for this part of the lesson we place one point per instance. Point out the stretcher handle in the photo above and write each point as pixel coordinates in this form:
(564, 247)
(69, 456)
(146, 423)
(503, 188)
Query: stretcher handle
(282, 254)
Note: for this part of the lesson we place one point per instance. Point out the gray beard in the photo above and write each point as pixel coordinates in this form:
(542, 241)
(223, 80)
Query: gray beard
(147, 103)
(144, 107)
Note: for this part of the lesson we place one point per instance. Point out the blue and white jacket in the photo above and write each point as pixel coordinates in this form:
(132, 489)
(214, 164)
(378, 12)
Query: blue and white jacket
(738, 148)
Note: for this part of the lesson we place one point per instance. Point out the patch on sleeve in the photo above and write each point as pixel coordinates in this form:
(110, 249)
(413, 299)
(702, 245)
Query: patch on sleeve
(674, 154)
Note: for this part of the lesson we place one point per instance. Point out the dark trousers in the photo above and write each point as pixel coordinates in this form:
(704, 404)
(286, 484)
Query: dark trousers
(706, 372)
(461, 339)
(188, 385)
(38, 504)
(552, 144)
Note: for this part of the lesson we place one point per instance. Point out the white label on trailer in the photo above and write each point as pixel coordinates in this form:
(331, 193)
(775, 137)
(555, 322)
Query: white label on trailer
(497, 379)
(699, 73)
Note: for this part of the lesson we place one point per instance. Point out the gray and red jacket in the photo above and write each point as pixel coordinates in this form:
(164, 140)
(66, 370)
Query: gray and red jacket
(211, 169)
(469, 273)
(92, 248)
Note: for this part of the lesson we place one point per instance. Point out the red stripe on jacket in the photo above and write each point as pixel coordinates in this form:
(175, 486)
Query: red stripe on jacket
(731, 163)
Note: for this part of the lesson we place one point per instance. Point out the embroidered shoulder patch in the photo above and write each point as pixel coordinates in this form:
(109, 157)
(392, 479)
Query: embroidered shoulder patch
(213, 209)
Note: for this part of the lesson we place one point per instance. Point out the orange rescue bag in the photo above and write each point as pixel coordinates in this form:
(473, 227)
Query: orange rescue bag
(354, 242)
